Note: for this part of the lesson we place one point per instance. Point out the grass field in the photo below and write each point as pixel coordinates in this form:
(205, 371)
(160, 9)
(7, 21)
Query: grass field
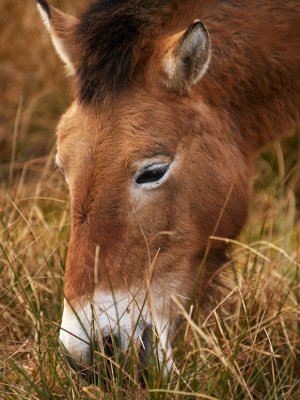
(250, 349)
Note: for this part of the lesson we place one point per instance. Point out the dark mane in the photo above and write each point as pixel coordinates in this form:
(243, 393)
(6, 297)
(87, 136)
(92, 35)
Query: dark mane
(108, 34)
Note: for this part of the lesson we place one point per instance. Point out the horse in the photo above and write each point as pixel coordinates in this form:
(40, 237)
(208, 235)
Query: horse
(172, 102)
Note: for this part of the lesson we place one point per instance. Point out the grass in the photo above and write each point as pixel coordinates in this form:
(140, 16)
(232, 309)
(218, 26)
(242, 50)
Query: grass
(249, 348)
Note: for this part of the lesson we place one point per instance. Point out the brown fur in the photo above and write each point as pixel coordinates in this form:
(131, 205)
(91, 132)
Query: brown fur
(249, 97)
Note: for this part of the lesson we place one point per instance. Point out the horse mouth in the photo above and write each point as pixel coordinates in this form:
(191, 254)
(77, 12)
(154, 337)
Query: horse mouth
(107, 356)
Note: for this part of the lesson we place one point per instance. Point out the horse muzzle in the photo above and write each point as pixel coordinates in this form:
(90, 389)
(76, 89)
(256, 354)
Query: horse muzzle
(110, 324)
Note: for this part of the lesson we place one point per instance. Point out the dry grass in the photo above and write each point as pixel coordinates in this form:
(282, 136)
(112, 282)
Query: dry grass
(252, 350)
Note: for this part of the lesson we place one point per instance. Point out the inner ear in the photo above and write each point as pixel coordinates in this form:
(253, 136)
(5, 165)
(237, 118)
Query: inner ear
(61, 28)
(187, 59)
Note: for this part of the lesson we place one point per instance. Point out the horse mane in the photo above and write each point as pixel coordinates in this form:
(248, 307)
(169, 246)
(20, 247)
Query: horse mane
(108, 34)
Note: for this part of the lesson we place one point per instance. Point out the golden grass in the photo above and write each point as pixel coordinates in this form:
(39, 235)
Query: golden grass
(252, 349)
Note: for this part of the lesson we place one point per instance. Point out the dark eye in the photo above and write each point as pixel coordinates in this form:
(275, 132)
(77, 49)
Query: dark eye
(151, 173)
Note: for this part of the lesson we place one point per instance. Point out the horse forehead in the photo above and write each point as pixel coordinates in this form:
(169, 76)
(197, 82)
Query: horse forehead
(125, 137)
(139, 124)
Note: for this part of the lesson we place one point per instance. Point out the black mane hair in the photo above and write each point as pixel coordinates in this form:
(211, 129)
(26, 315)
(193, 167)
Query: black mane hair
(45, 7)
(108, 33)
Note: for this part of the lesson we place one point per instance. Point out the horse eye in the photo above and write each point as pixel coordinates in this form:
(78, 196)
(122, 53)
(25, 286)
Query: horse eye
(151, 173)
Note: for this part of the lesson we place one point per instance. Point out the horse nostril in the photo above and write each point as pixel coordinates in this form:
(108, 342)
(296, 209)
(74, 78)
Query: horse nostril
(145, 348)
(110, 345)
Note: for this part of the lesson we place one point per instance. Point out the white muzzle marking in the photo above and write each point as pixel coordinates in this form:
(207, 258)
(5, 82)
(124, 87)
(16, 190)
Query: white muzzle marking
(120, 315)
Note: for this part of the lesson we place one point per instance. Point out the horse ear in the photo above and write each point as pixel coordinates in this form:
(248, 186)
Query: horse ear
(60, 27)
(187, 59)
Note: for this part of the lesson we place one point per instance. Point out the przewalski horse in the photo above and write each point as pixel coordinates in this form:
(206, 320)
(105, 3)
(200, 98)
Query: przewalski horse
(157, 149)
